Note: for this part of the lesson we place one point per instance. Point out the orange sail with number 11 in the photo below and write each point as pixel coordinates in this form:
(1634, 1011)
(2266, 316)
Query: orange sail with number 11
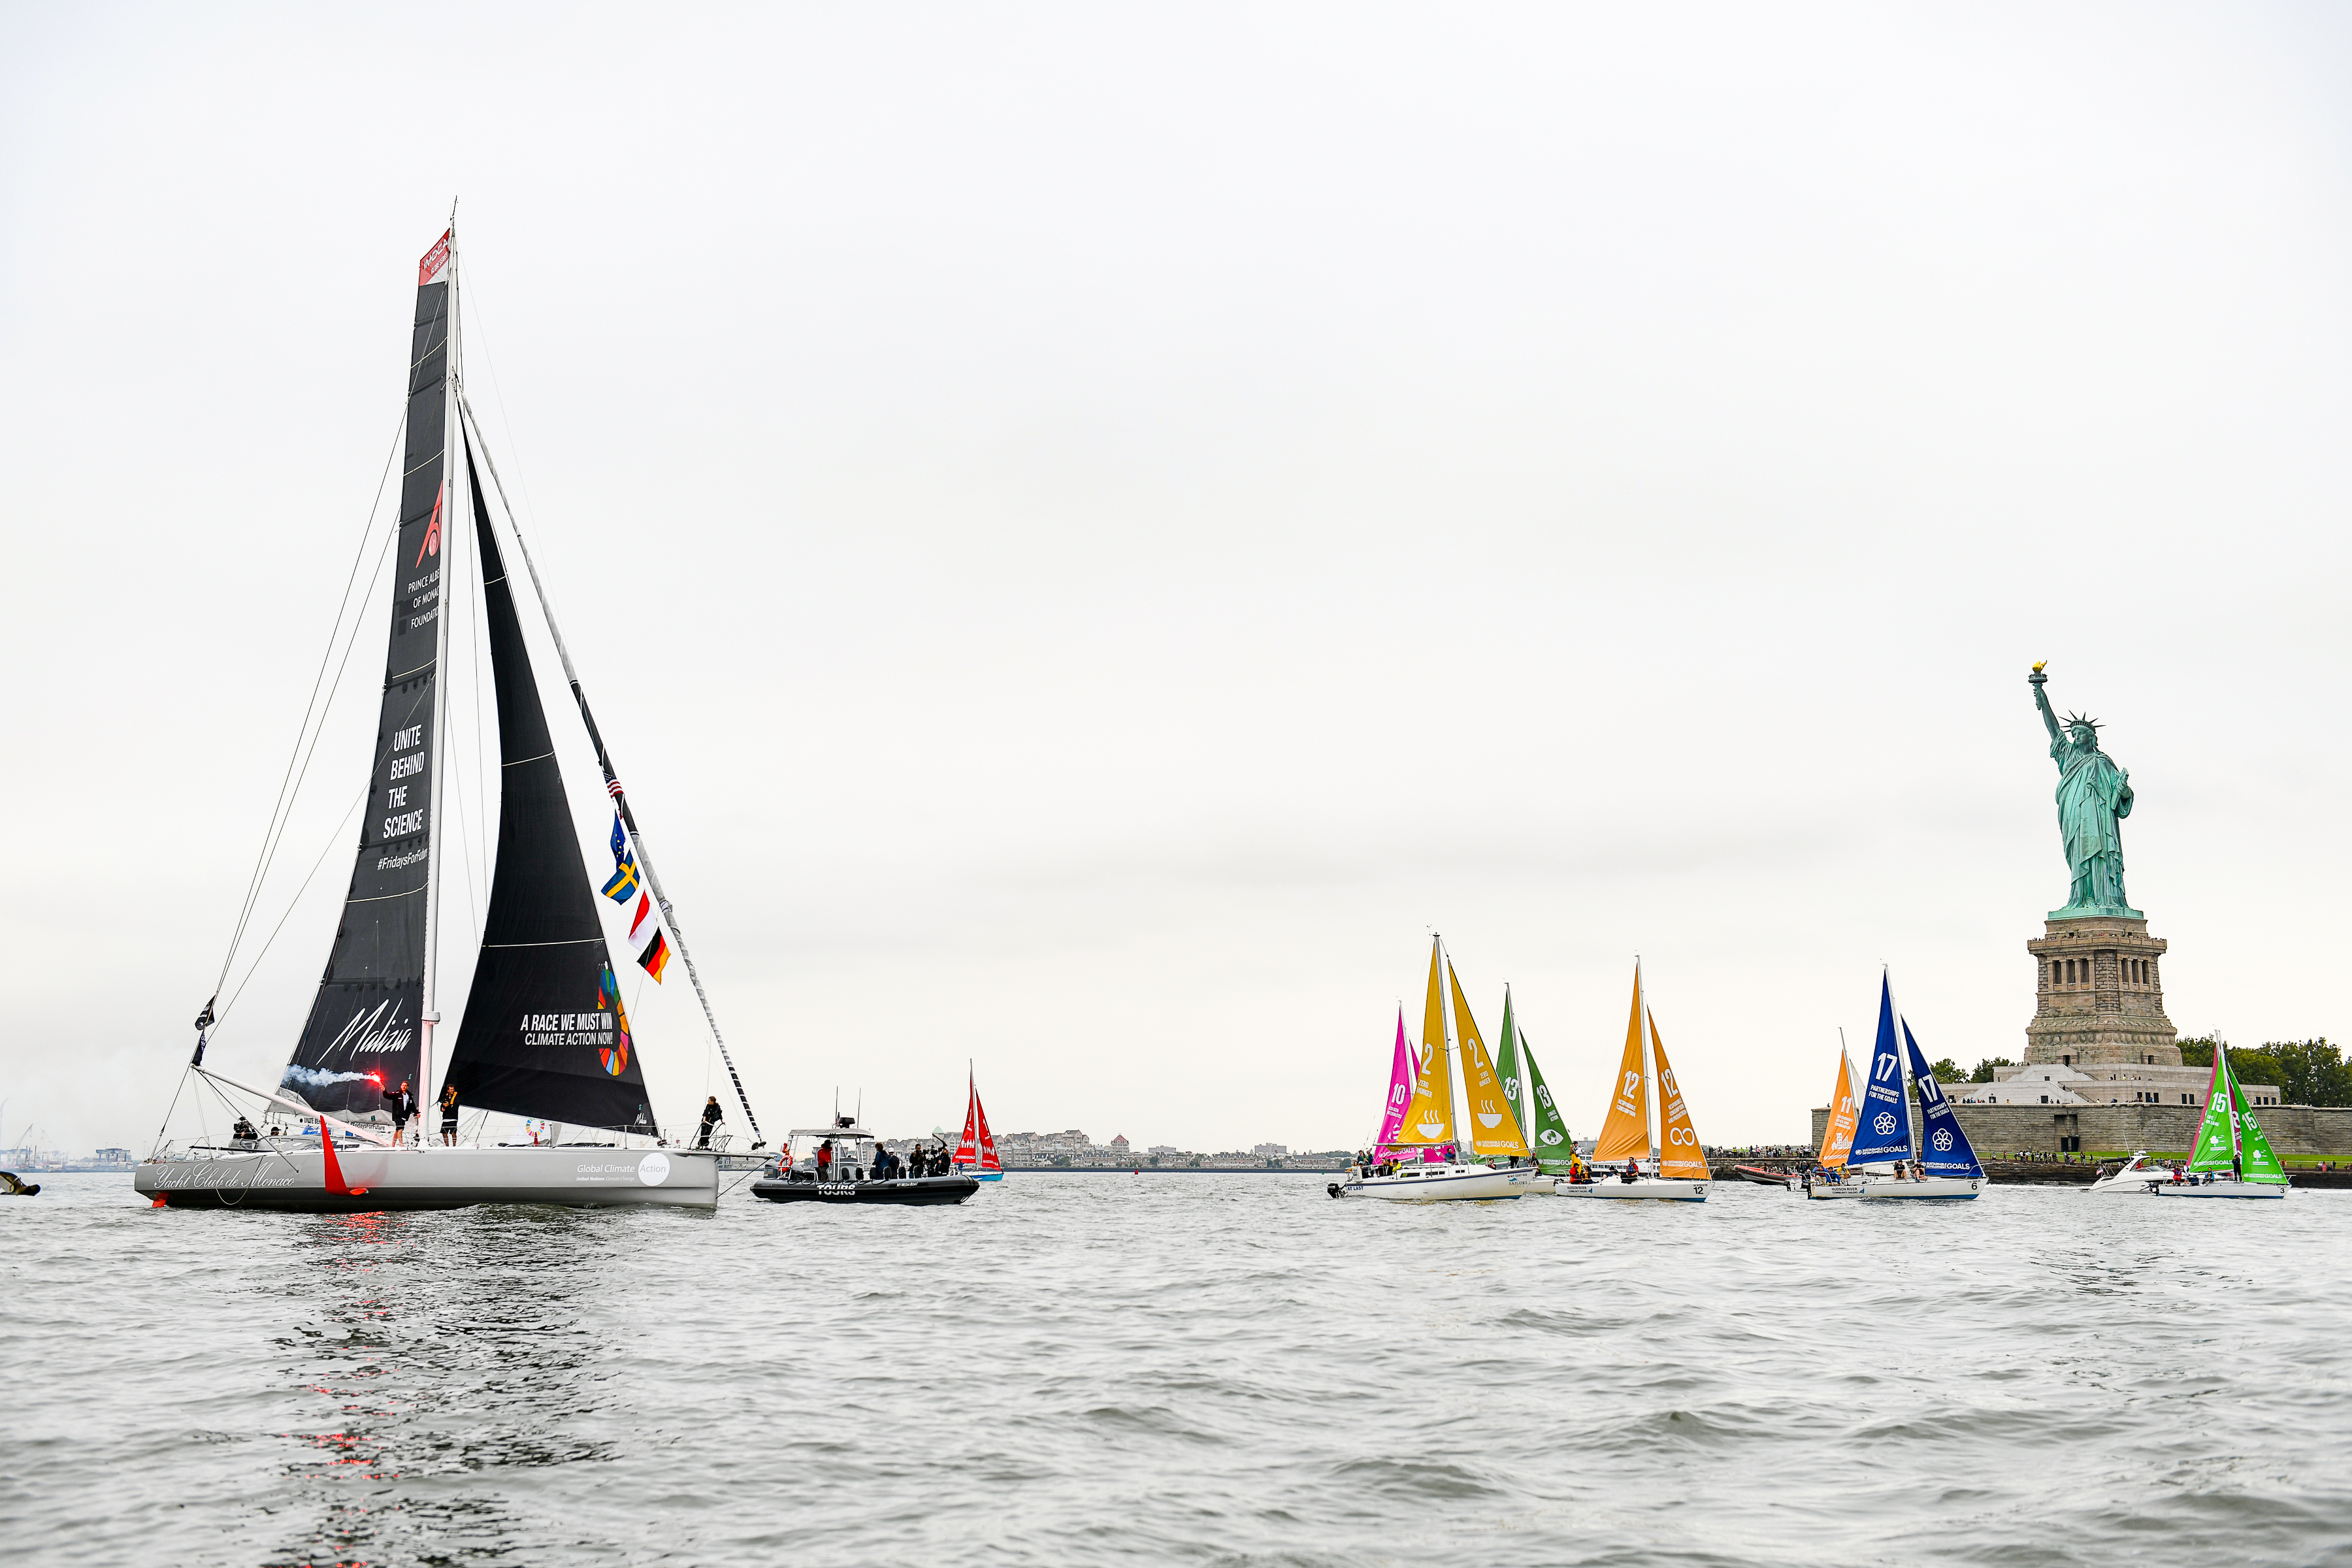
(1844, 1118)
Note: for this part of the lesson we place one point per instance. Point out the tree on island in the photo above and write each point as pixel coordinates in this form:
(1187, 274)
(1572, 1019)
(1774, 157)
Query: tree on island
(1984, 1073)
(2307, 1072)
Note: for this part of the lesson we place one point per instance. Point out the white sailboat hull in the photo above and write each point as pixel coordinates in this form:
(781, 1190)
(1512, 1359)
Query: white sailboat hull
(1440, 1184)
(1669, 1189)
(295, 1178)
(1934, 1188)
(1835, 1190)
(2198, 1189)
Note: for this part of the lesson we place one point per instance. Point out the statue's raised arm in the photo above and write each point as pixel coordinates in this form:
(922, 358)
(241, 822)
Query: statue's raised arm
(2042, 700)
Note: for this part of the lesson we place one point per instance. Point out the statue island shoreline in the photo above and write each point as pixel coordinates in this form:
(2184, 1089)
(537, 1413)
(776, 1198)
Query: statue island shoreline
(2102, 1072)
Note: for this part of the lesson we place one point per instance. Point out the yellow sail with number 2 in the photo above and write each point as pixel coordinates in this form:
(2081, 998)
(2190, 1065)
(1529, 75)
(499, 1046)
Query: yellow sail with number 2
(1494, 1130)
(1429, 1120)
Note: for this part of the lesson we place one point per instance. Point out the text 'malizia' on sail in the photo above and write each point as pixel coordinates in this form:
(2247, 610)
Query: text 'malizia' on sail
(645, 939)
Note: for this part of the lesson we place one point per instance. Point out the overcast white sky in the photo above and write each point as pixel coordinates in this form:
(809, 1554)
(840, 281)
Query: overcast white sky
(1091, 531)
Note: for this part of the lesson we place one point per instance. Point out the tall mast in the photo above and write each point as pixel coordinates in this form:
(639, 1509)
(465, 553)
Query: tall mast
(2230, 1090)
(1446, 1047)
(612, 781)
(1903, 1065)
(1649, 1068)
(456, 504)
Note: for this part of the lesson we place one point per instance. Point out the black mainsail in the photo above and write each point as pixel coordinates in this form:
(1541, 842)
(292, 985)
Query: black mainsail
(544, 1034)
(363, 1035)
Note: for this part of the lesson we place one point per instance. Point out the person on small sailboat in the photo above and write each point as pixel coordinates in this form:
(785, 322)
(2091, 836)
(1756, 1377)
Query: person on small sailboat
(1420, 1112)
(1942, 1164)
(1677, 1165)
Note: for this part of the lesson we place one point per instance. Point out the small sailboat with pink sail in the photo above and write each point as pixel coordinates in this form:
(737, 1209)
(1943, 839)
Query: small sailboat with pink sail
(975, 1154)
(1418, 1157)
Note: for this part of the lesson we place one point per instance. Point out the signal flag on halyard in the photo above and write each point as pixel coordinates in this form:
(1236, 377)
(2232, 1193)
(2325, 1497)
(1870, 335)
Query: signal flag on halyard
(623, 883)
(645, 939)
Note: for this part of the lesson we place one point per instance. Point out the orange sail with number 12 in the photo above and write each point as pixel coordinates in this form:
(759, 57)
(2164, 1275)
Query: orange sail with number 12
(1679, 1158)
(1626, 1134)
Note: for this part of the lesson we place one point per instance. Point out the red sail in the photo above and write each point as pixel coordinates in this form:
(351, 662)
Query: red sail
(965, 1154)
(988, 1159)
(978, 1148)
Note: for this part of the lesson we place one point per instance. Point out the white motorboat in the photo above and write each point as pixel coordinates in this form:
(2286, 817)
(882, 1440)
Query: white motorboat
(2141, 1175)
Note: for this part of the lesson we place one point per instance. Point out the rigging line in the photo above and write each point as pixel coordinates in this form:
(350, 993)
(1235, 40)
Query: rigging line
(499, 391)
(413, 703)
(253, 887)
(291, 904)
(316, 734)
(157, 1147)
(611, 781)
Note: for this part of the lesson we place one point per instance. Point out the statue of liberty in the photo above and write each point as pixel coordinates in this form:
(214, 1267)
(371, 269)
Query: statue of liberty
(2094, 797)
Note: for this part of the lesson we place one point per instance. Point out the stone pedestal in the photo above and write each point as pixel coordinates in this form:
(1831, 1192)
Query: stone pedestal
(2100, 1002)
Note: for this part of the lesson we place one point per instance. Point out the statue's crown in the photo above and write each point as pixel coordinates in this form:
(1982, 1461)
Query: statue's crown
(2084, 719)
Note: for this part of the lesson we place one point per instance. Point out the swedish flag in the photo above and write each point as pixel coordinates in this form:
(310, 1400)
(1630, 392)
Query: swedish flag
(624, 885)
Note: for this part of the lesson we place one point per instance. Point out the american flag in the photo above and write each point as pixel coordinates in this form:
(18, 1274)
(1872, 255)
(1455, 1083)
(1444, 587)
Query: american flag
(613, 788)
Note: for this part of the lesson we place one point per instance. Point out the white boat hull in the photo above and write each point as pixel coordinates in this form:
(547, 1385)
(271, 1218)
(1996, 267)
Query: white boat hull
(2144, 1176)
(1935, 1187)
(2201, 1189)
(1669, 1189)
(1442, 1183)
(295, 1178)
(1827, 1191)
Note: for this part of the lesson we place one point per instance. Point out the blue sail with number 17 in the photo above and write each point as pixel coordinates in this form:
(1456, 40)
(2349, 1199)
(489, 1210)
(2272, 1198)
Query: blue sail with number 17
(1883, 1137)
(1943, 1147)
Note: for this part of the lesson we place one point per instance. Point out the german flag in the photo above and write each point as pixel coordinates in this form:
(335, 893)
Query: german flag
(656, 953)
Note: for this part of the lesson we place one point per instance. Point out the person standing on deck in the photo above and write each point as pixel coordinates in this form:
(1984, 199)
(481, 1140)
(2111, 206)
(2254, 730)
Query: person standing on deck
(449, 1115)
(403, 1108)
(711, 1115)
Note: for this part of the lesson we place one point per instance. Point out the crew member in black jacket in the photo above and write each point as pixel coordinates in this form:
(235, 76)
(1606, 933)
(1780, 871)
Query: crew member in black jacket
(404, 1107)
(711, 1115)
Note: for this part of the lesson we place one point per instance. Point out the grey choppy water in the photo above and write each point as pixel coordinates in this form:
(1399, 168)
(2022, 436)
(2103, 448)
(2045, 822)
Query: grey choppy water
(1180, 1368)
